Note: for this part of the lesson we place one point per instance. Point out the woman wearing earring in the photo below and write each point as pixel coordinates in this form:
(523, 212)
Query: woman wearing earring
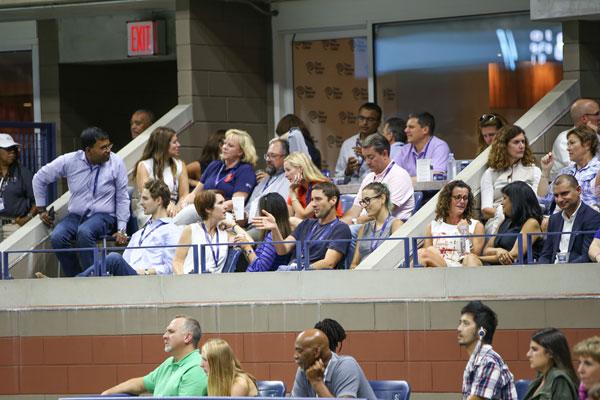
(549, 355)
(376, 202)
(225, 374)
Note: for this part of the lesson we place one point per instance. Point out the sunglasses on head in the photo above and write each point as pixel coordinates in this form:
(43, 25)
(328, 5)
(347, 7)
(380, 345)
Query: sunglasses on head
(485, 118)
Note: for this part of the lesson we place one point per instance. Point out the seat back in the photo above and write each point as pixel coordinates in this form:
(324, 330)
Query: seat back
(233, 256)
(270, 388)
(418, 201)
(522, 385)
(391, 390)
(347, 201)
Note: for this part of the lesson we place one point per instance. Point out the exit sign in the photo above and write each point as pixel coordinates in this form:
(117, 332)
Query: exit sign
(145, 38)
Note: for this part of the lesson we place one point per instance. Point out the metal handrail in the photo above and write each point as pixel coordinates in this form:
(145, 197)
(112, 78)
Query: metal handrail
(544, 234)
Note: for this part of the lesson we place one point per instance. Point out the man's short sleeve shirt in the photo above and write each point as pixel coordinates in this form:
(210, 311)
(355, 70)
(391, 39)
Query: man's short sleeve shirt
(183, 378)
(488, 377)
(343, 378)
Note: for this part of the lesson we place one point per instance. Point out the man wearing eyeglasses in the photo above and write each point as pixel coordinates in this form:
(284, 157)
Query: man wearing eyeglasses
(99, 202)
(275, 181)
(350, 166)
(583, 112)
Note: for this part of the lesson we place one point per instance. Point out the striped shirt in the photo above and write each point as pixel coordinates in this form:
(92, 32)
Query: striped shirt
(267, 258)
(488, 377)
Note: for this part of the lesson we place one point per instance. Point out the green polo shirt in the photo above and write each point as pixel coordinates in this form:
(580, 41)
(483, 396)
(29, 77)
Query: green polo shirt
(183, 378)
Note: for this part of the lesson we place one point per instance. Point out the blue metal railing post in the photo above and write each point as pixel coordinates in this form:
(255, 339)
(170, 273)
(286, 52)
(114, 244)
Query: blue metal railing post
(529, 248)
(415, 253)
(406, 252)
(306, 258)
(520, 249)
(203, 259)
(4, 265)
(299, 249)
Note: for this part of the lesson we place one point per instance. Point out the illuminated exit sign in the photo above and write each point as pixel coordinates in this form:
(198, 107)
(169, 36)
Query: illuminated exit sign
(145, 38)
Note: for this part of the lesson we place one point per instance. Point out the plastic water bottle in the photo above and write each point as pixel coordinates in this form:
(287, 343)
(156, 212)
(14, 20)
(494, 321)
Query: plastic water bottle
(464, 245)
(451, 174)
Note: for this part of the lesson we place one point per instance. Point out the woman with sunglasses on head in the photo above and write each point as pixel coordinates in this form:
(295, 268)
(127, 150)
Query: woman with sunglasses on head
(376, 202)
(550, 356)
(488, 126)
(453, 217)
(510, 159)
(523, 216)
(17, 204)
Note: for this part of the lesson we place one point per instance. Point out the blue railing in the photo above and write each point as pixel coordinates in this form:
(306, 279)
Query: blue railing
(37, 145)
(544, 234)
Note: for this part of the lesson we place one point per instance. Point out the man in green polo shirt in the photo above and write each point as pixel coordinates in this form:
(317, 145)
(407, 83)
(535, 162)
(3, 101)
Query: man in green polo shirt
(180, 374)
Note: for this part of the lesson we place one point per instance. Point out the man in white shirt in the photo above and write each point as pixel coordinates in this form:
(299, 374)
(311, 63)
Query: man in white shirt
(350, 166)
(583, 112)
(376, 151)
(158, 231)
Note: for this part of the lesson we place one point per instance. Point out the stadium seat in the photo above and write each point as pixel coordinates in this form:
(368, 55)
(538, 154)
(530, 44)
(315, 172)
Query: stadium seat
(233, 256)
(418, 201)
(391, 390)
(522, 385)
(270, 388)
(347, 201)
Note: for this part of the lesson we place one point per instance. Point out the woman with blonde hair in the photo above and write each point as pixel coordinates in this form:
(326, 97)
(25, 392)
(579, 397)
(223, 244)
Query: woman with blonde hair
(160, 161)
(233, 174)
(510, 160)
(303, 175)
(225, 375)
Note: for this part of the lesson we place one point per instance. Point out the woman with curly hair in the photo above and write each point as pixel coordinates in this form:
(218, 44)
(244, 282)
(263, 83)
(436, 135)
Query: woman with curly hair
(453, 214)
(510, 160)
(160, 161)
(226, 377)
(523, 216)
(488, 126)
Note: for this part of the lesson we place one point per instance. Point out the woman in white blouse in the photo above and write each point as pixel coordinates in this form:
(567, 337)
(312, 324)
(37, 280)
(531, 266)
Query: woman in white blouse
(510, 160)
(160, 161)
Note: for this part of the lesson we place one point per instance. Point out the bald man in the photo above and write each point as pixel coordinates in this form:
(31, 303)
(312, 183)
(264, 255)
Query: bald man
(140, 121)
(583, 112)
(323, 373)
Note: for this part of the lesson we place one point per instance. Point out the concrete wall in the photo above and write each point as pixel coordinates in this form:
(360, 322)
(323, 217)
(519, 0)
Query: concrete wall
(224, 70)
(83, 335)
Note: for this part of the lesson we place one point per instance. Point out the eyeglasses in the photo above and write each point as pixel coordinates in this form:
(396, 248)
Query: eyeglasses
(485, 118)
(368, 119)
(107, 147)
(365, 201)
(272, 156)
(458, 197)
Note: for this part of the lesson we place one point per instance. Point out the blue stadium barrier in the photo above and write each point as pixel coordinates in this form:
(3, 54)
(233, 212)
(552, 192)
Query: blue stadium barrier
(545, 234)
(391, 390)
(271, 388)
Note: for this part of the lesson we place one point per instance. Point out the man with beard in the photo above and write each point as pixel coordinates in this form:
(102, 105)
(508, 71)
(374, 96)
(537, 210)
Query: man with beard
(325, 252)
(275, 181)
(181, 373)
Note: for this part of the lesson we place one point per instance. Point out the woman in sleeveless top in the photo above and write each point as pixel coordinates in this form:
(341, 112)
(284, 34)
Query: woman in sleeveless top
(376, 202)
(225, 374)
(210, 206)
(510, 160)
(453, 217)
(523, 215)
(159, 161)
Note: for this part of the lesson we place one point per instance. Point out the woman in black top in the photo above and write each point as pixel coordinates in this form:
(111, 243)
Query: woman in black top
(523, 215)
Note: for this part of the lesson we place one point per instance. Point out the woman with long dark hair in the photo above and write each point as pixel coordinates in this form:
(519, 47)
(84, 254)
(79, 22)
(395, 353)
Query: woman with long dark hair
(334, 332)
(550, 356)
(265, 258)
(523, 215)
(285, 128)
(210, 152)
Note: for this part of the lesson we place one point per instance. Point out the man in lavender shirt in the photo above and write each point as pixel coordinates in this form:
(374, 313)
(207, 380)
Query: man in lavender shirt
(422, 145)
(99, 203)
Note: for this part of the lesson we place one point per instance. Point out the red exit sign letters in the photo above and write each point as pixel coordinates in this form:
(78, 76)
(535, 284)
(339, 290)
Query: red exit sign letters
(145, 38)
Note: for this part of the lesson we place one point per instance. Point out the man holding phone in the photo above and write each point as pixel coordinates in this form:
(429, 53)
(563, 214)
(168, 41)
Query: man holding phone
(99, 202)
(323, 373)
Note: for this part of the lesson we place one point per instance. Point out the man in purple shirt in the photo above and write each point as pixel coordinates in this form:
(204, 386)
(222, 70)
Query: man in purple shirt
(99, 203)
(422, 145)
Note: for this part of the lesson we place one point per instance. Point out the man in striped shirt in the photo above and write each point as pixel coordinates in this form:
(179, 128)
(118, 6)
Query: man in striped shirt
(486, 375)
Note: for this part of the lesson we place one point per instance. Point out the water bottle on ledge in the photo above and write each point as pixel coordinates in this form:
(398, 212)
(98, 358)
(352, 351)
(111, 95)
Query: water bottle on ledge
(451, 167)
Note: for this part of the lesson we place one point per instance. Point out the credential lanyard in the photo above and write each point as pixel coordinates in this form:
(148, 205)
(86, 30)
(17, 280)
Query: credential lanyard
(375, 243)
(159, 223)
(324, 233)
(231, 172)
(215, 254)
(387, 171)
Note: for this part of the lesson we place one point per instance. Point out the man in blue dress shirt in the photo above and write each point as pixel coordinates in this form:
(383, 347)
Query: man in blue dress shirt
(99, 203)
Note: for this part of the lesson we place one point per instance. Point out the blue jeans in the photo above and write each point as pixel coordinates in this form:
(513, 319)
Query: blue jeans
(115, 265)
(85, 232)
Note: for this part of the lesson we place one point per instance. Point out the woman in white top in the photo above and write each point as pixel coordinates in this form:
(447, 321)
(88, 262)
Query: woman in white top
(210, 205)
(453, 214)
(159, 161)
(510, 160)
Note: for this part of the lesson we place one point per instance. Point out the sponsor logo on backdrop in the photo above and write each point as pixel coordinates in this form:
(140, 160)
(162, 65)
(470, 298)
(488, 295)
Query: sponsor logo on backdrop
(334, 140)
(314, 67)
(360, 93)
(333, 93)
(303, 45)
(317, 116)
(305, 92)
(347, 117)
(344, 69)
(331, 45)
(389, 94)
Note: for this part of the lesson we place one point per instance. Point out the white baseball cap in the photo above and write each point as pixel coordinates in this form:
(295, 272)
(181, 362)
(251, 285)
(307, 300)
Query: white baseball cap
(7, 141)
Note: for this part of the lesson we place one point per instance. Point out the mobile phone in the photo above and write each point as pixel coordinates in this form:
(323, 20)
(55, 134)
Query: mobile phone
(51, 212)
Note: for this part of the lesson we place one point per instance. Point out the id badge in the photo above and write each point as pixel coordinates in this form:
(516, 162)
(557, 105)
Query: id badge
(1, 204)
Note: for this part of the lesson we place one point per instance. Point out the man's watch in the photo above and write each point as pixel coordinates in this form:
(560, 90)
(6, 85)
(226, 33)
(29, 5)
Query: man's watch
(122, 231)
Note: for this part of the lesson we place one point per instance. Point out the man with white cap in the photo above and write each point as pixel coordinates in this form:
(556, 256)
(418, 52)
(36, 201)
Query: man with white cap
(16, 193)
